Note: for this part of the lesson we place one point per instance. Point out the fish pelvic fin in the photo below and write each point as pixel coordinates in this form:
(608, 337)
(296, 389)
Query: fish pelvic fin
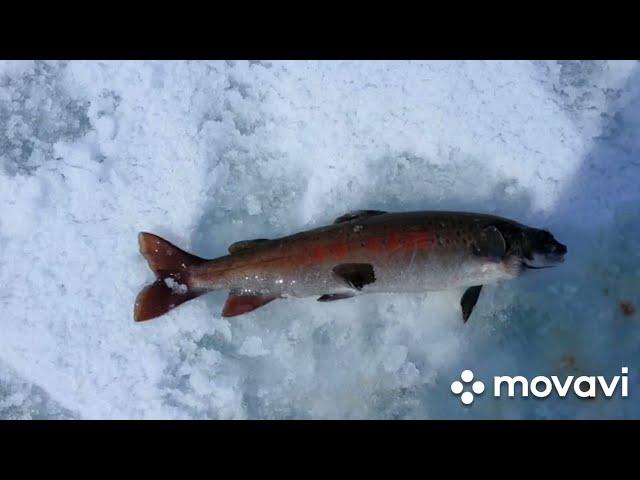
(330, 297)
(171, 266)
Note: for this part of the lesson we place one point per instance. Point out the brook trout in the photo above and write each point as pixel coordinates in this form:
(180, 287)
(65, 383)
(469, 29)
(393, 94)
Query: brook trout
(365, 251)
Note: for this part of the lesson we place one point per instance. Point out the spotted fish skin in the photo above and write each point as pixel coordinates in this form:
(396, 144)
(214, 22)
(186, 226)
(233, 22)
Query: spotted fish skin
(366, 252)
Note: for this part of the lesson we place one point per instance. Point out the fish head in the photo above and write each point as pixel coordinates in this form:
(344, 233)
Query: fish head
(539, 249)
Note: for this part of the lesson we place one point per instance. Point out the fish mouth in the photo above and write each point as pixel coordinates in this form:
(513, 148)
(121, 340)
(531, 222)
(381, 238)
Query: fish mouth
(531, 267)
(549, 260)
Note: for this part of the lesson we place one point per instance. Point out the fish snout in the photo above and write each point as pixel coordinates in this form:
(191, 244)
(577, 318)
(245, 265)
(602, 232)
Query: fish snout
(555, 253)
(559, 249)
(543, 250)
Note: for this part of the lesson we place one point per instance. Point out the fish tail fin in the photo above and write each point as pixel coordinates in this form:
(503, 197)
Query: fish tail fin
(172, 287)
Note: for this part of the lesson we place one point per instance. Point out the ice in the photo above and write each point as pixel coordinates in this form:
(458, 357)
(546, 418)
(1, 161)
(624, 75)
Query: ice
(176, 287)
(208, 153)
(252, 347)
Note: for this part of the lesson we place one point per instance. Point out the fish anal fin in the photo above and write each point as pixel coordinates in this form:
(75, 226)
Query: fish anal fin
(246, 244)
(469, 300)
(357, 215)
(330, 297)
(490, 244)
(237, 304)
(355, 275)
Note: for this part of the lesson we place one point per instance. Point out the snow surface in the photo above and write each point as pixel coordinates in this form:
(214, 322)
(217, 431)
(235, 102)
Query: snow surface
(208, 153)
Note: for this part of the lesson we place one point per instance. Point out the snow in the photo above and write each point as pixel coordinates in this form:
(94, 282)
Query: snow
(252, 347)
(208, 153)
(176, 287)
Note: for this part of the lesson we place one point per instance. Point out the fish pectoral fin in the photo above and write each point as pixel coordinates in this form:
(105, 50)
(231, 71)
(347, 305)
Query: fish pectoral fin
(246, 244)
(469, 300)
(490, 244)
(330, 297)
(358, 215)
(355, 275)
(237, 304)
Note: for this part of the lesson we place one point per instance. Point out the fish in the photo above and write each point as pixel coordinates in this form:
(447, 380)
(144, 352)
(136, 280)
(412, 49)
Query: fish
(361, 252)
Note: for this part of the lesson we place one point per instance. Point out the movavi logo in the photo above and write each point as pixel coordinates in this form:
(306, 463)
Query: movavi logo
(541, 386)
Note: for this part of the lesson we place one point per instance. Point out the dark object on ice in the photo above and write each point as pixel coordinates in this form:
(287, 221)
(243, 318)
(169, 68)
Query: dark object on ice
(627, 308)
(365, 251)
(568, 361)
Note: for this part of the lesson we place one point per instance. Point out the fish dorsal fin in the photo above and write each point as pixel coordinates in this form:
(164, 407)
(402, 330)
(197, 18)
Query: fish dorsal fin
(237, 304)
(490, 243)
(246, 244)
(355, 275)
(358, 215)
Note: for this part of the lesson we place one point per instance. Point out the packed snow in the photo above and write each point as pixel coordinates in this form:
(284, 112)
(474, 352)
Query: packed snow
(176, 287)
(208, 153)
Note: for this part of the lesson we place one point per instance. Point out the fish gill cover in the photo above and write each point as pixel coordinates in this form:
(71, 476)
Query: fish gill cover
(209, 153)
